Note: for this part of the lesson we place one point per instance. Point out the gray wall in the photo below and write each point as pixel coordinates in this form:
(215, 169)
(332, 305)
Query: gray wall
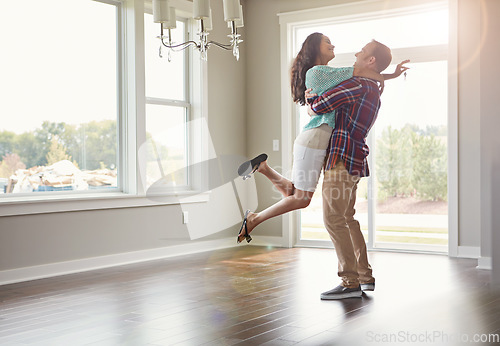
(496, 223)
(490, 123)
(227, 89)
(469, 78)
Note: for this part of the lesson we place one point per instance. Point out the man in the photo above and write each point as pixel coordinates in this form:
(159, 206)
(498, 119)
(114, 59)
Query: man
(357, 102)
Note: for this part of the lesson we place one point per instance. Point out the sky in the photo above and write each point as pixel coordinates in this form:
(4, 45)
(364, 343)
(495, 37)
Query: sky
(64, 69)
(60, 69)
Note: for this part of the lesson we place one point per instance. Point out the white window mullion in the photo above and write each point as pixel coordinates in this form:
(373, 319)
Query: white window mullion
(165, 102)
(123, 182)
(372, 190)
(135, 86)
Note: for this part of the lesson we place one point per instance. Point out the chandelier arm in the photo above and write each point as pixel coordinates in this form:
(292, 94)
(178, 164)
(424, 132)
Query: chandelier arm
(220, 45)
(183, 45)
(179, 49)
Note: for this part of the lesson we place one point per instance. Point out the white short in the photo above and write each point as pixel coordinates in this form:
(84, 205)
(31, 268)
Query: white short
(309, 151)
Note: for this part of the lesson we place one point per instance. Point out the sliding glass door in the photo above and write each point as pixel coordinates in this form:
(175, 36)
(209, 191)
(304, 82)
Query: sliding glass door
(403, 204)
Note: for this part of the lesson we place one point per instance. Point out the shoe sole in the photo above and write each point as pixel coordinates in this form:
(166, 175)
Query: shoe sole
(246, 168)
(342, 296)
(368, 289)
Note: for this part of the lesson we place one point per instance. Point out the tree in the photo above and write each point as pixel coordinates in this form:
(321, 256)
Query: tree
(435, 130)
(89, 144)
(10, 164)
(394, 162)
(100, 144)
(412, 160)
(44, 137)
(429, 176)
(57, 152)
(7, 139)
(29, 149)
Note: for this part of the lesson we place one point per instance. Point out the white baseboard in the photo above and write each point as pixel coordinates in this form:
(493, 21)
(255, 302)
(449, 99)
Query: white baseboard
(87, 264)
(469, 252)
(484, 263)
(268, 241)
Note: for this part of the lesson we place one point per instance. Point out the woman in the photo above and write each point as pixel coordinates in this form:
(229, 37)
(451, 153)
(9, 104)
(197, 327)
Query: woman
(309, 70)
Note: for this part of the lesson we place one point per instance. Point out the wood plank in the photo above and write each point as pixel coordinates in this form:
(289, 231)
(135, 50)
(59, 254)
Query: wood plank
(247, 295)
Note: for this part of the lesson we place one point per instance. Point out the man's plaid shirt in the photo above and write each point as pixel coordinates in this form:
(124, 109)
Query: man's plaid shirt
(357, 101)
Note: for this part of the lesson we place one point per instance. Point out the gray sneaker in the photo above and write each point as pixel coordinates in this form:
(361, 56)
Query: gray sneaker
(341, 292)
(368, 287)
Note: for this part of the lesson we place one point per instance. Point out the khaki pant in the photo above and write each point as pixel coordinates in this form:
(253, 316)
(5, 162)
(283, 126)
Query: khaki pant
(339, 197)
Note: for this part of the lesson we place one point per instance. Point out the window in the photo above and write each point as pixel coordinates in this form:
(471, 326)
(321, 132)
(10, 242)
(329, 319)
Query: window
(60, 97)
(167, 111)
(87, 122)
(410, 160)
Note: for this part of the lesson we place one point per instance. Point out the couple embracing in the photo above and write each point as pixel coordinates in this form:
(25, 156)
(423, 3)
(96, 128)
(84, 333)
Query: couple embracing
(343, 105)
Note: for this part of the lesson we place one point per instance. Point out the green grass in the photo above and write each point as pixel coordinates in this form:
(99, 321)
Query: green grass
(410, 240)
(414, 230)
(323, 235)
(392, 229)
(315, 235)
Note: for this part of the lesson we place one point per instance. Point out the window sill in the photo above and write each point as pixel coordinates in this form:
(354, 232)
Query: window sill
(13, 206)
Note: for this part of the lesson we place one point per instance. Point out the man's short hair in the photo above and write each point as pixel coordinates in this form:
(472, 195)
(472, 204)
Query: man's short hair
(382, 54)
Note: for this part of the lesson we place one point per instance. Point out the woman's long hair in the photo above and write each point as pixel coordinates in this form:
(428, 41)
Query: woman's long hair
(305, 59)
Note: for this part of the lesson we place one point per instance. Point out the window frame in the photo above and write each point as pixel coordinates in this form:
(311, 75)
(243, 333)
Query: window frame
(32, 197)
(131, 127)
(184, 104)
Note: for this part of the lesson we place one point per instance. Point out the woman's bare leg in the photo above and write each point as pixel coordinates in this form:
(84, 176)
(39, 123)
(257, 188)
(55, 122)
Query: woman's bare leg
(300, 199)
(284, 186)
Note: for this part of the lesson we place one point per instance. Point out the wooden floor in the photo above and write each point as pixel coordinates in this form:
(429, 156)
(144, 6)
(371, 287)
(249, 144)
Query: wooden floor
(252, 296)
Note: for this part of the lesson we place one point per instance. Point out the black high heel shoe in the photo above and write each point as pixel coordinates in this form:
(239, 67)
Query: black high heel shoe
(249, 167)
(246, 235)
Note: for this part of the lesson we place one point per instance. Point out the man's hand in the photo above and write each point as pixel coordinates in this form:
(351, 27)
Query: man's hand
(307, 94)
(400, 68)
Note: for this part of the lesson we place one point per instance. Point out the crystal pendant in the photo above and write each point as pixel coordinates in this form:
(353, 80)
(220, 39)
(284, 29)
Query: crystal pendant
(203, 55)
(236, 52)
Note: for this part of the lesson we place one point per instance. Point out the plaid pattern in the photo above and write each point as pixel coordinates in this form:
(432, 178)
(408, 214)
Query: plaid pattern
(357, 101)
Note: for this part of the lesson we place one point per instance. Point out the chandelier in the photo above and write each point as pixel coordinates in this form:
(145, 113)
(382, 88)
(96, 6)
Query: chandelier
(164, 14)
